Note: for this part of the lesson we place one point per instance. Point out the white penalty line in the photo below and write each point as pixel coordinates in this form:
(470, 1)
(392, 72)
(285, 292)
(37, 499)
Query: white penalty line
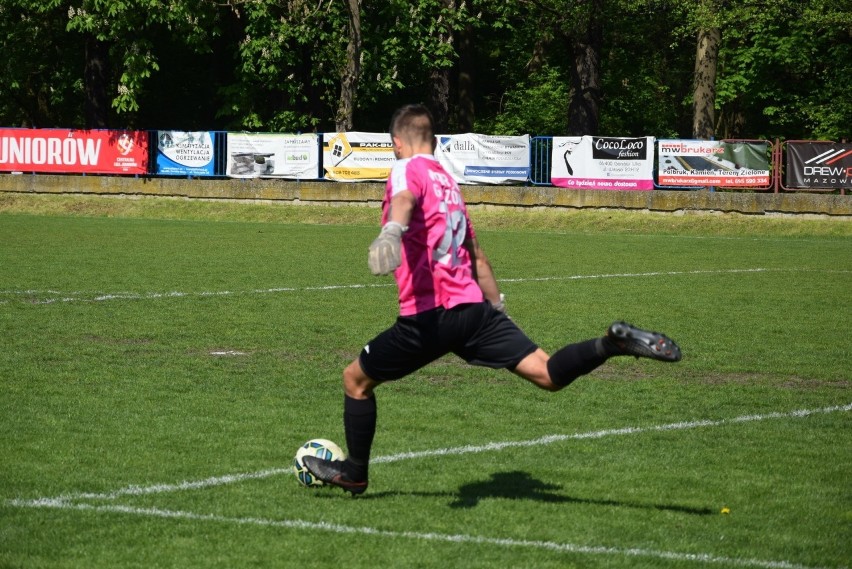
(60, 297)
(135, 490)
(435, 537)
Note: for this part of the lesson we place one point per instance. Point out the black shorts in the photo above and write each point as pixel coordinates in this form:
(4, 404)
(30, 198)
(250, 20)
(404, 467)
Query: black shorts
(475, 332)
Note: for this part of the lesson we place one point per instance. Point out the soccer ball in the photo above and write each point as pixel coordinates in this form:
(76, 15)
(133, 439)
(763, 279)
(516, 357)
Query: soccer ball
(322, 448)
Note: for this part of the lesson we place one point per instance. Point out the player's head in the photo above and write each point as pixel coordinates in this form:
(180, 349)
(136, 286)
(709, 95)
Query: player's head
(412, 130)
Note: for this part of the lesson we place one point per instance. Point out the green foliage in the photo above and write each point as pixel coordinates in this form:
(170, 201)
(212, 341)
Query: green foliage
(536, 105)
(644, 82)
(40, 85)
(775, 66)
(129, 26)
(784, 66)
(828, 106)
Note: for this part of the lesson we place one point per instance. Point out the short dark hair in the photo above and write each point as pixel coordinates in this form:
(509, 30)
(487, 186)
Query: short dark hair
(414, 122)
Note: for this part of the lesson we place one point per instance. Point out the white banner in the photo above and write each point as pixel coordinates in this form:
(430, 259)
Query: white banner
(357, 156)
(273, 155)
(714, 163)
(602, 163)
(482, 159)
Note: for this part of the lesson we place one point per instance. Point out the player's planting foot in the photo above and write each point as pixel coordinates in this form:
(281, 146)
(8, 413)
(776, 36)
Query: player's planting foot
(334, 472)
(634, 341)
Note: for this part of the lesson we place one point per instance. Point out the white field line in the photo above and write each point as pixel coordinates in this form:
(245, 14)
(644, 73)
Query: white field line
(65, 502)
(214, 481)
(79, 296)
(60, 297)
(549, 439)
(435, 537)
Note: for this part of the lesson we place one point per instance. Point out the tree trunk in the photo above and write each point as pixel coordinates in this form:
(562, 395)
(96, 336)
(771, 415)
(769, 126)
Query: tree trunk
(584, 107)
(95, 80)
(466, 114)
(439, 99)
(439, 81)
(704, 92)
(345, 118)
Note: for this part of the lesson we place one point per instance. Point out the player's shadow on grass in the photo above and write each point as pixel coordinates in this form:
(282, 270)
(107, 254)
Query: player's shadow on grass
(518, 485)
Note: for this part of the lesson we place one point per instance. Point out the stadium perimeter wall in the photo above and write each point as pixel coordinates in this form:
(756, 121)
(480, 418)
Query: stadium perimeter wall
(370, 194)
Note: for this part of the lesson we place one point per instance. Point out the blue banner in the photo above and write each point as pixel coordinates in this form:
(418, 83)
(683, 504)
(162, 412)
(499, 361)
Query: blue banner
(185, 153)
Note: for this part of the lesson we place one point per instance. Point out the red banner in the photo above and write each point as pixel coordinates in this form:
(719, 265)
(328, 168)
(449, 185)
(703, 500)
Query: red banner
(74, 151)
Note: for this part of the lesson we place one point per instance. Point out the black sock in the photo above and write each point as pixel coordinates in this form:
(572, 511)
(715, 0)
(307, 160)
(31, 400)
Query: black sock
(609, 347)
(575, 360)
(359, 421)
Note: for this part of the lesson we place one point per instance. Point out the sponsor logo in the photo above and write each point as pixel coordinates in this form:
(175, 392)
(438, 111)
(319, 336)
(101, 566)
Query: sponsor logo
(619, 148)
(125, 144)
(373, 144)
(681, 147)
(450, 144)
(827, 169)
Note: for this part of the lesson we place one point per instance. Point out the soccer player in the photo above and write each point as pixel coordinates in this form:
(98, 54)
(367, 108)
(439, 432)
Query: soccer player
(449, 301)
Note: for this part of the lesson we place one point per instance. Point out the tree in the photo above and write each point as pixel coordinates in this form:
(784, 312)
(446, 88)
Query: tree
(351, 73)
(767, 69)
(704, 83)
(96, 76)
(439, 76)
(782, 68)
(586, 41)
(705, 21)
(120, 53)
(293, 75)
(38, 83)
(578, 23)
(786, 71)
(644, 83)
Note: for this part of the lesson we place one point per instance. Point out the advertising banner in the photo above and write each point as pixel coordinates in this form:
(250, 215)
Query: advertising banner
(74, 151)
(357, 156)
(185, 153)
(713, 163)
(482, 159)
(820, 165)
(272, 155)
(602, 163)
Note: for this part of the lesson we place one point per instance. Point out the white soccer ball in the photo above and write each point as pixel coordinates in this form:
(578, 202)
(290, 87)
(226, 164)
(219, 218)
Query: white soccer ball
(321, 448)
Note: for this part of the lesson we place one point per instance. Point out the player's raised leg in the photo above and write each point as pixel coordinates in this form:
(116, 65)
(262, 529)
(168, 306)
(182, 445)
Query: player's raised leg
(574, 360)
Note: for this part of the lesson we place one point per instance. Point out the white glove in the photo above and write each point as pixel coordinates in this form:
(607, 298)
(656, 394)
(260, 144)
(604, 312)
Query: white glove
(501, 305)
(385, 253)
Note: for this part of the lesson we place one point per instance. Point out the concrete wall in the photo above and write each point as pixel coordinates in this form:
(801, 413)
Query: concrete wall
(319, 192)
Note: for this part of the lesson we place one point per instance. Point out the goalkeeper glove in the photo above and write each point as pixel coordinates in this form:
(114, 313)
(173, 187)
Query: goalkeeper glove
(500, 306)
(385, 254)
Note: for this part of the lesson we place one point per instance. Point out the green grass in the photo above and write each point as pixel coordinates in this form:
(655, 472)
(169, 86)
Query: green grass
(111, 310)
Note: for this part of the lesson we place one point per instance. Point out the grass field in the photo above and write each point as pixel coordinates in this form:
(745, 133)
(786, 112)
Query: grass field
(162, 361)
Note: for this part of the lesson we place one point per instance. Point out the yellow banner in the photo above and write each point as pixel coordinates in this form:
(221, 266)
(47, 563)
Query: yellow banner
(357, 156)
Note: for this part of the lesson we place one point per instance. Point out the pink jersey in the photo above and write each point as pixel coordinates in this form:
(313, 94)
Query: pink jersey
(436, 268)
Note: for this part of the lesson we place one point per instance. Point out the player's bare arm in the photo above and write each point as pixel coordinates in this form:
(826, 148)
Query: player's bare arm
(401, 206)
(385, 251)
(482, 272)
